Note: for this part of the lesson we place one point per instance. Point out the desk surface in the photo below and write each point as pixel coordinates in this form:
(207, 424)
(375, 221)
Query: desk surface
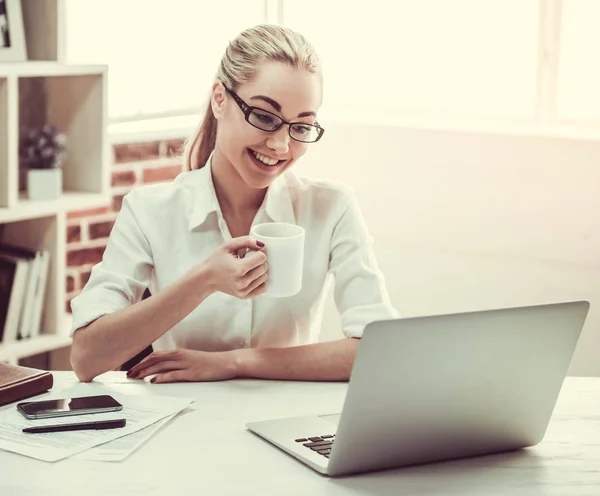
(206, 450)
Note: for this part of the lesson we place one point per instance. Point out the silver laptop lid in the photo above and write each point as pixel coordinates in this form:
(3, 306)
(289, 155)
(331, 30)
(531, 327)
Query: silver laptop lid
(440, 387)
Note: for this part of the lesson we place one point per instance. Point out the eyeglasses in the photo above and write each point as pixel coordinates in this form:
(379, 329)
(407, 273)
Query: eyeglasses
(269, 122)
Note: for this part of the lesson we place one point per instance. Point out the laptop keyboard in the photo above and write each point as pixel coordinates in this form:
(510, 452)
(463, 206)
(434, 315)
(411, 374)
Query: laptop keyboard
(319, 444)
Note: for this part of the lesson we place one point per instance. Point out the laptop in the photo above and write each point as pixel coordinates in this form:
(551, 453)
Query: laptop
(435, 388)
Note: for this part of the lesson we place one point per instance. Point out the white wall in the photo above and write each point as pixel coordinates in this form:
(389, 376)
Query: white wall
(465, 221)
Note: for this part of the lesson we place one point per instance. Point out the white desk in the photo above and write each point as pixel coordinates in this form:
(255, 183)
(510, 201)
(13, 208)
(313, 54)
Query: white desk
(207, 451)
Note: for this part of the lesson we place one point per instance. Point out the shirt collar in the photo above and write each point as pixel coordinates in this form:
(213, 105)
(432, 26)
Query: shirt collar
(278, 200)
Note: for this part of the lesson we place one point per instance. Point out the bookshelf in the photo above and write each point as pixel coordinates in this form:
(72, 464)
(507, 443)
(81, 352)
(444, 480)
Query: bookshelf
(13, 352)
(74, 99)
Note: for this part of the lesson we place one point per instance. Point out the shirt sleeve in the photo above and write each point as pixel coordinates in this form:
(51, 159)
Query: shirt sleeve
(359, 287)
(122, 276)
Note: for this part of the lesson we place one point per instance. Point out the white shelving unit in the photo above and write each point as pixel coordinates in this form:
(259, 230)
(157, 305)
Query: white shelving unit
(75, 100)
(13, 352)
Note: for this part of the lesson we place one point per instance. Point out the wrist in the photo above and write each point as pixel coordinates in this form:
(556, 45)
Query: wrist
(242, 361)
(204, 278)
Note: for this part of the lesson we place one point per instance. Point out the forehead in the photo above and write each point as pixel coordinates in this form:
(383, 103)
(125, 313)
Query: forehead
(295, 90)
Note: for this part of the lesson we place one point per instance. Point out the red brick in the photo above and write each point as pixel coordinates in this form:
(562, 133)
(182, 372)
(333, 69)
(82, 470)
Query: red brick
(157, 174)
(70, 284)
(84, 277)
(101, 229)
(123, 178)
(73, 234)
(174, 148)
(136, 152)
(117, 202)
(84, 256)
(87, 213)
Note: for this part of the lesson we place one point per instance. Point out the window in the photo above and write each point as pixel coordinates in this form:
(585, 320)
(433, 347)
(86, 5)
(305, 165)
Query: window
(162, 54)
(460, 57)
(579, 76)
(457, 59)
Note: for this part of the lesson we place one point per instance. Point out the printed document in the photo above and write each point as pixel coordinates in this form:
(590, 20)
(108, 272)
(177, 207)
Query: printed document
(121, 448)
(140, 411)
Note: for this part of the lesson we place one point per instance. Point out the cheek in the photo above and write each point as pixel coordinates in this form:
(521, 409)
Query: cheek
(241, 135)
(298, 149)
(233, 130)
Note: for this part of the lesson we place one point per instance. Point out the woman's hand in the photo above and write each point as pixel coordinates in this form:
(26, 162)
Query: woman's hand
(241, 277)
(186, 366)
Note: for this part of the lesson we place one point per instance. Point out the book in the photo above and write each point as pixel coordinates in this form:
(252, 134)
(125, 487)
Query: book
(14, 273)
(33, 257)
(18, 383)
(41, 282)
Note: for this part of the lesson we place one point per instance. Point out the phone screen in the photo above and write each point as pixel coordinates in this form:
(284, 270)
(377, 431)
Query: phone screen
(69, 406)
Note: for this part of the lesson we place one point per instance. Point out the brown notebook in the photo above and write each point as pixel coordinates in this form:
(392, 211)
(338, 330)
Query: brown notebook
(17, 383)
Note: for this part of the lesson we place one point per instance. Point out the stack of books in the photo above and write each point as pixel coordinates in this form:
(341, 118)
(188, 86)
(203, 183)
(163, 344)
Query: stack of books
(23, 275)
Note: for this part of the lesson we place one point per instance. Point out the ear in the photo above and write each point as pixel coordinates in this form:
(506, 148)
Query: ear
(217, 99)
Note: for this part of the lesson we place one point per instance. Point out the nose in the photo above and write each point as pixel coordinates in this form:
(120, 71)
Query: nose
(279, 141)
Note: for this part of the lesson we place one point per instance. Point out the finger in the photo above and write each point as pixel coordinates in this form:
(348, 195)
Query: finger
(237, 244)
(154, 357)
(256, 283)
(258, 291)
(157, 368)
(251, 262)
(133, 371)
(146, 362)
(172, 376)
(255, 273)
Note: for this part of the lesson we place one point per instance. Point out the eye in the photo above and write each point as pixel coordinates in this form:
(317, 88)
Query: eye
(264, 118)
(302, 129)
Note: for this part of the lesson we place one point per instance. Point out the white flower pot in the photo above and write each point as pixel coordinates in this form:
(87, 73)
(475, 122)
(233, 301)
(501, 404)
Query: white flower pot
(44, 184)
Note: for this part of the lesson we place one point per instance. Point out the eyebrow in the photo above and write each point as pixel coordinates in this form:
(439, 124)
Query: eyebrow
(277, 106)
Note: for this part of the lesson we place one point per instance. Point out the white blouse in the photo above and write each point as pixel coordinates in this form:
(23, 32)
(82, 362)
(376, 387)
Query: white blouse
(164, 229)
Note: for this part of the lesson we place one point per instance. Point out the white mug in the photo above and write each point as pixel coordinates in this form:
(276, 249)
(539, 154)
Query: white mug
(284, 247)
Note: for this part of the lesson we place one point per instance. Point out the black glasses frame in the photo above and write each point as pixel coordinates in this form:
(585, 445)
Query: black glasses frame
(247, 110)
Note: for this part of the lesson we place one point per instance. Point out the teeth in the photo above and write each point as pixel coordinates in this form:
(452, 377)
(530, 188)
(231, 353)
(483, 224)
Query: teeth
(265, 160)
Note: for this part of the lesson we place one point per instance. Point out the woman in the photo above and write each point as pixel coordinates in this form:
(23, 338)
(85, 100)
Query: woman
(207, 317)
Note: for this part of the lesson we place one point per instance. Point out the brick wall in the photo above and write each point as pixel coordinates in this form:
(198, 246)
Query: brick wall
(88, 230)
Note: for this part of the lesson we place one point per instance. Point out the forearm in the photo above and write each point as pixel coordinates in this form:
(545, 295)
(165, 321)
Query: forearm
(114, 338)
(327, 361)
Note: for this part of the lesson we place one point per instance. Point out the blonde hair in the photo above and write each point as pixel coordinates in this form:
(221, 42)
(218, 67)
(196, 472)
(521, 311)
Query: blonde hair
(240, 63)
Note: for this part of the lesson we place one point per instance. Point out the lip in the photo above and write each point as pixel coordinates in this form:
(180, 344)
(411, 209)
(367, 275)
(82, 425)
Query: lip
(259, 164)
(266, 154)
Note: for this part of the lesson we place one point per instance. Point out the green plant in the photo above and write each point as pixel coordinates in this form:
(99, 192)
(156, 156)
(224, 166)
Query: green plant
(42, 148)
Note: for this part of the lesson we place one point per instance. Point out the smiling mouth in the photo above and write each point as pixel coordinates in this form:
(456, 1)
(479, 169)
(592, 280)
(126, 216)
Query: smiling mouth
(263, 159)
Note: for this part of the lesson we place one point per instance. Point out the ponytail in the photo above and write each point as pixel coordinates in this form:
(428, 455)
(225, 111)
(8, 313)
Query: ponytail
(199, 148)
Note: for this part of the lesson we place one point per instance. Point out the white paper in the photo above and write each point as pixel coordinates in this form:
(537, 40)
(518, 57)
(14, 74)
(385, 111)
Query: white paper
(120, 377)
(139, 411)
(121, 448)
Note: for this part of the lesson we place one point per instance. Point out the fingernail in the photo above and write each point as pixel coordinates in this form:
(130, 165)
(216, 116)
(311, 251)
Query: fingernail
(260, 243)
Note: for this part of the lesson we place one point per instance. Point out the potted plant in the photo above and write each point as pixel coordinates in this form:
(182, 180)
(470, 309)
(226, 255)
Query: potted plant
(41, 155)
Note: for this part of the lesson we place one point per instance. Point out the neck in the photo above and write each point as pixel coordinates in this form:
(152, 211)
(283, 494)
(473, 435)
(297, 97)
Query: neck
(234, 195)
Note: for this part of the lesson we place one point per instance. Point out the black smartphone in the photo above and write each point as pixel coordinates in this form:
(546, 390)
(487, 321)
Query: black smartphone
(69, 406)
